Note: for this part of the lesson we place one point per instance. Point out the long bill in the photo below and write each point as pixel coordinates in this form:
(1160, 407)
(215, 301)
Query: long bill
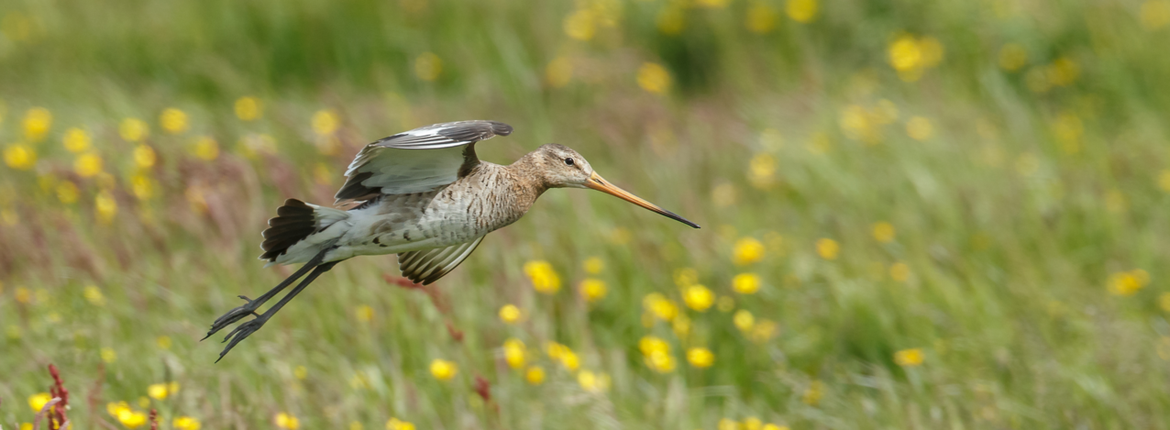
(598, 183)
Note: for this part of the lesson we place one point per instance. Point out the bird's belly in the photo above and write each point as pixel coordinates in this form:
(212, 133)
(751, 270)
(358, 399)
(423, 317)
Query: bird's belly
(383, 233)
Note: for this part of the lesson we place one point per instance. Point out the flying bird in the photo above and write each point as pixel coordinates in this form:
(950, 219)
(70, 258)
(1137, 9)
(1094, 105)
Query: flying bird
(422, 194)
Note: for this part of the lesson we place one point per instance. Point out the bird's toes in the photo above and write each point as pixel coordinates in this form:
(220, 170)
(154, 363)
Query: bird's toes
(232, 316)
(239, 334)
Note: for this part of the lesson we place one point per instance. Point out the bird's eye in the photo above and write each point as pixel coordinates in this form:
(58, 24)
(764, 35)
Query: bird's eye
(569, 161)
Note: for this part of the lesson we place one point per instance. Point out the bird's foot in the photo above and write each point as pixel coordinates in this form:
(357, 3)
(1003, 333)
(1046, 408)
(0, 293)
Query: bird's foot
(234, 315)
(241, 332)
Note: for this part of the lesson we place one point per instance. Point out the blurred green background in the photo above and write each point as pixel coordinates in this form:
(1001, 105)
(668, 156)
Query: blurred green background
(916, 214)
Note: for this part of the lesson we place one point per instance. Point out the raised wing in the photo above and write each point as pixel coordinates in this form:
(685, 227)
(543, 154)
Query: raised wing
(429, 265)
(419, 160)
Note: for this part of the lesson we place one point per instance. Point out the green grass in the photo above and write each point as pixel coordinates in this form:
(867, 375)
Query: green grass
(1013, 213)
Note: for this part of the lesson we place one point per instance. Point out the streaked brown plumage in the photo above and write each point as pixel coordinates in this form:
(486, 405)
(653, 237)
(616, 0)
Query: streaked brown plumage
(422, 194)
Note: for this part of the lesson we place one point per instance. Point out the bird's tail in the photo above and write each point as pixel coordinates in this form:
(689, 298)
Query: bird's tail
(294, 222)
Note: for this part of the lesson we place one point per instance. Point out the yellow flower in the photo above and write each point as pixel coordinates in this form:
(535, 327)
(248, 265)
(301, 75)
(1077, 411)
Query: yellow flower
(396, 424)
(287, 421)
(93, 295)
(186, 423)
(254, 144)
(142, 186)
(87, 165)
(909, 357)
(1128, 283)
(514, 353)
(748, 250)
(38, 401)
(364, 313)
(724, 195)
(763, 330)
(698, 297)
(725, 304)
(108, 355)
(761, 18)
(157, 391)
(205, 148)
(593, 289)
(105, 206)
(559, 72)
(828, 248)
(883, 232)
(660, 361)
(858, 123)
(163, 342)
(686, 277)
(248, 108)
(651, 344)
(900, 272)
(587, 380)
(36, 124)
(173, 120)
(510, 314)
(681, 326)
(569, 359)
(428, 66)
(443, 370)
(23, 295)
(1164, 301)
(133, 129)
(581, 25)
(144, 156)
(932, 51)
(1155, 14)
(594, 265)
(727, 424)
(762, 170)
(325, 122)
(534, 375)
(1012, 57)
(802, 10)
(743, 320)
(544, 278)
(654, 78)
(618, 236)
(76, 140)
(20, 156)
(131, 418)
(301, 372)
(9, 217)
(700, 357)
(1063, 71)
(919, 128)
(67, 192)
(114, 407)
(659, 306)
(752, 423)
(712, 4)
(746, 283)
(814, 393)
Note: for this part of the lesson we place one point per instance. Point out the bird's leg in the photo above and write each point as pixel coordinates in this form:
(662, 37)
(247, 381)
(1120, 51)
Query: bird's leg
(251, 306)
(244, 330)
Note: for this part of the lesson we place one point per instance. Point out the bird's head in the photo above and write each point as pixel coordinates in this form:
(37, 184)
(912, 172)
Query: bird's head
(563, 167)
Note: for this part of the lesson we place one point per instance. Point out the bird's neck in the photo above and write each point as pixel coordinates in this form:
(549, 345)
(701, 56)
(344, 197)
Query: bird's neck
(528, 179)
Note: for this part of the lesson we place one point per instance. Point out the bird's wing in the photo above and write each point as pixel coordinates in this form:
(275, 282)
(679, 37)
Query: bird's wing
(417, 161)
(429, 265)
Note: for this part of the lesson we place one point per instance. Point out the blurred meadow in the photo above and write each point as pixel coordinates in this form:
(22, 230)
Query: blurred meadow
(916, 214)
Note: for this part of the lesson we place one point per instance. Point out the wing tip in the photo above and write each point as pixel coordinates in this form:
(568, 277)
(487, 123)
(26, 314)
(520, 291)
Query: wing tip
(500, 128)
